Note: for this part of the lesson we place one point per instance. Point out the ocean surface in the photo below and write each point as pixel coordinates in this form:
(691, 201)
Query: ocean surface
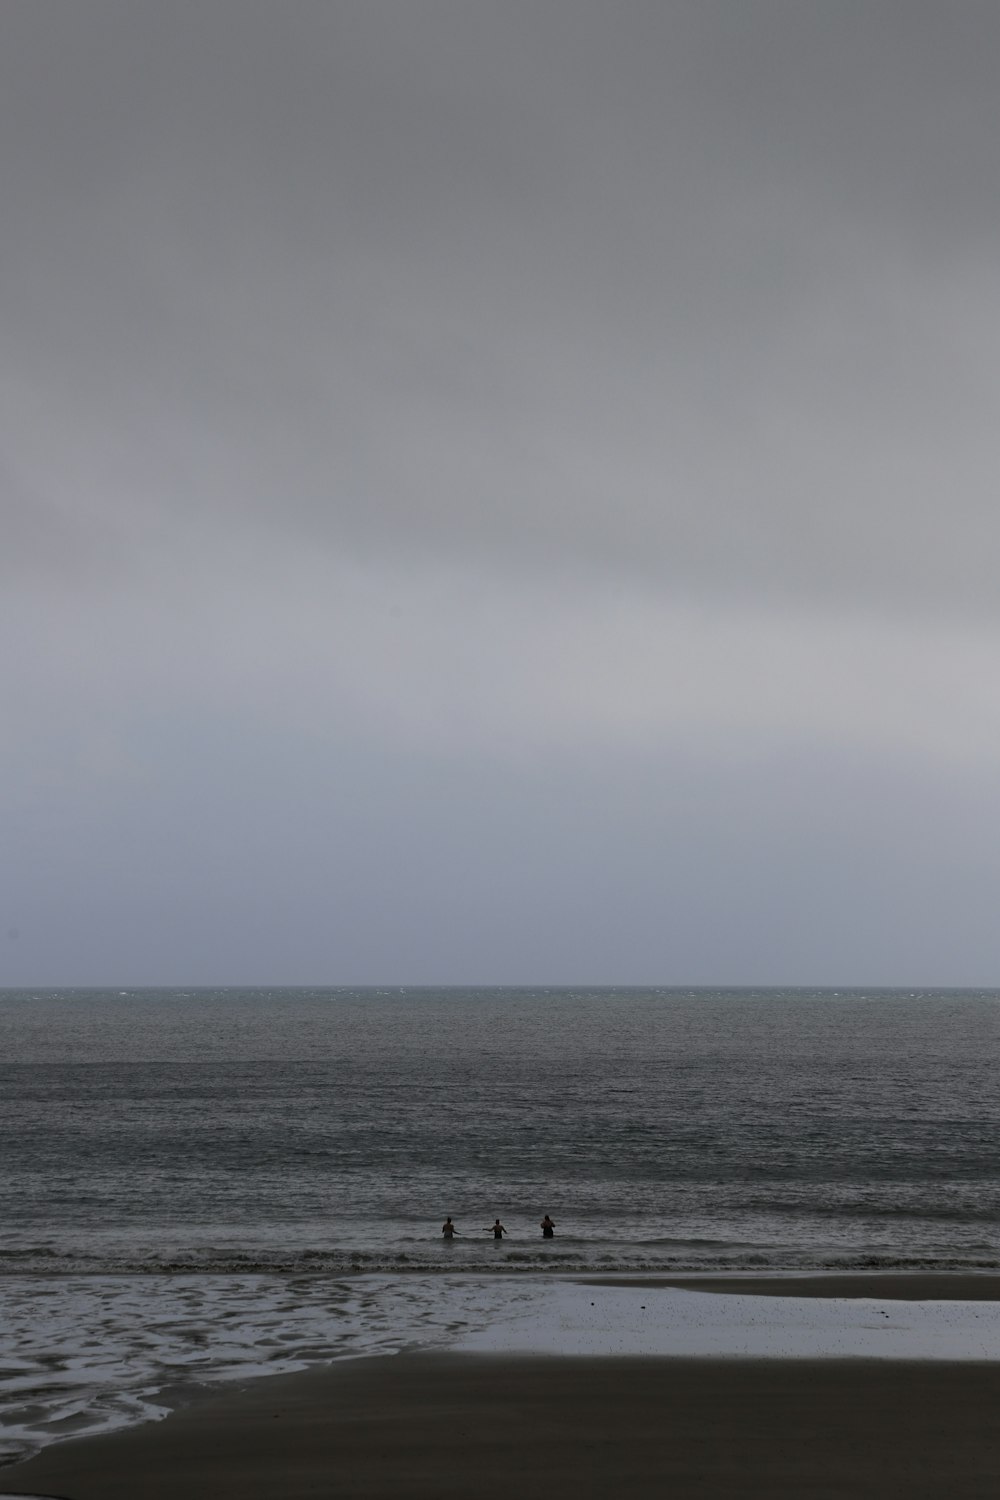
(204, 1183)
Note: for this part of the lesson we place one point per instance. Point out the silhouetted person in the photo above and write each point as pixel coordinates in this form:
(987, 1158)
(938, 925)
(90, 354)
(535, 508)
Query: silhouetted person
(448, 1229)
(496, 1229)
(548, 1228)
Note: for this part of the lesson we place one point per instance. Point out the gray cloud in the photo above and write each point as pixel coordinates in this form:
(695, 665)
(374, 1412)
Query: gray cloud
(711, 296)
(493, 386)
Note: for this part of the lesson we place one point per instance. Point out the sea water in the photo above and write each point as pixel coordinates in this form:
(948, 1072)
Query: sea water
(201, 1183)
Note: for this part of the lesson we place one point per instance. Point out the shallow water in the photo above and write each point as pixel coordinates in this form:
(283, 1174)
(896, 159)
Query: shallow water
(83, 1354)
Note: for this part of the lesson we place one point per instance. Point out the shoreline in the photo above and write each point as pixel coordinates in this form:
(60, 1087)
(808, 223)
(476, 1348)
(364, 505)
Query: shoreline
(772, 1322)
(451, 1424)
(896, 1286)
(782, 1318)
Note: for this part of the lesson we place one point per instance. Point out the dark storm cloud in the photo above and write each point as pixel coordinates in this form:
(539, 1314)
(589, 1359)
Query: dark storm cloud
(705, 290)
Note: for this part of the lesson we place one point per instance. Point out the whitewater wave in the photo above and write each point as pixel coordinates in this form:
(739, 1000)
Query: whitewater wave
(666, 1256)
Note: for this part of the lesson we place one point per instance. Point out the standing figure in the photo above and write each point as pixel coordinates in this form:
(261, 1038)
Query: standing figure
(496, 1229)
(548, 1228)
(448, 1229)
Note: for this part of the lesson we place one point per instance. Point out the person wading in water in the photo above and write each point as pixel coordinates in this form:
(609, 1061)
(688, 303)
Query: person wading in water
(548, 1228)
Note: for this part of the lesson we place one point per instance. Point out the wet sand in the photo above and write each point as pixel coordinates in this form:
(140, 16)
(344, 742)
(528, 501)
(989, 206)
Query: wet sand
(919, 1286)
(442, 1425)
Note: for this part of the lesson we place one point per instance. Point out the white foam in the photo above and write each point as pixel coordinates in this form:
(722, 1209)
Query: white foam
(573, 1318)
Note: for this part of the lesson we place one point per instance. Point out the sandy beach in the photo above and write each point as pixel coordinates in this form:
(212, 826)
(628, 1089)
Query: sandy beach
(911, 1286)
(459, 1424)
(456, 1425)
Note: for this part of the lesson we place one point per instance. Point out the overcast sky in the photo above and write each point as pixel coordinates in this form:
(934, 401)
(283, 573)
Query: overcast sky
(499, 491)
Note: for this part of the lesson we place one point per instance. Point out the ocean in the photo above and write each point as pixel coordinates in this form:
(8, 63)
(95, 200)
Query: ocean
(205, 1184)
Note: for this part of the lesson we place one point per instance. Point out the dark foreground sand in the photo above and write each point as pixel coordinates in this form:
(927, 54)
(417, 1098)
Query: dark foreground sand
(438, 1425)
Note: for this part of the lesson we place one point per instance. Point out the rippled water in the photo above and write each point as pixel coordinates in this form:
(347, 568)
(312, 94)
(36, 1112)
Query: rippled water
(241, 1130)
